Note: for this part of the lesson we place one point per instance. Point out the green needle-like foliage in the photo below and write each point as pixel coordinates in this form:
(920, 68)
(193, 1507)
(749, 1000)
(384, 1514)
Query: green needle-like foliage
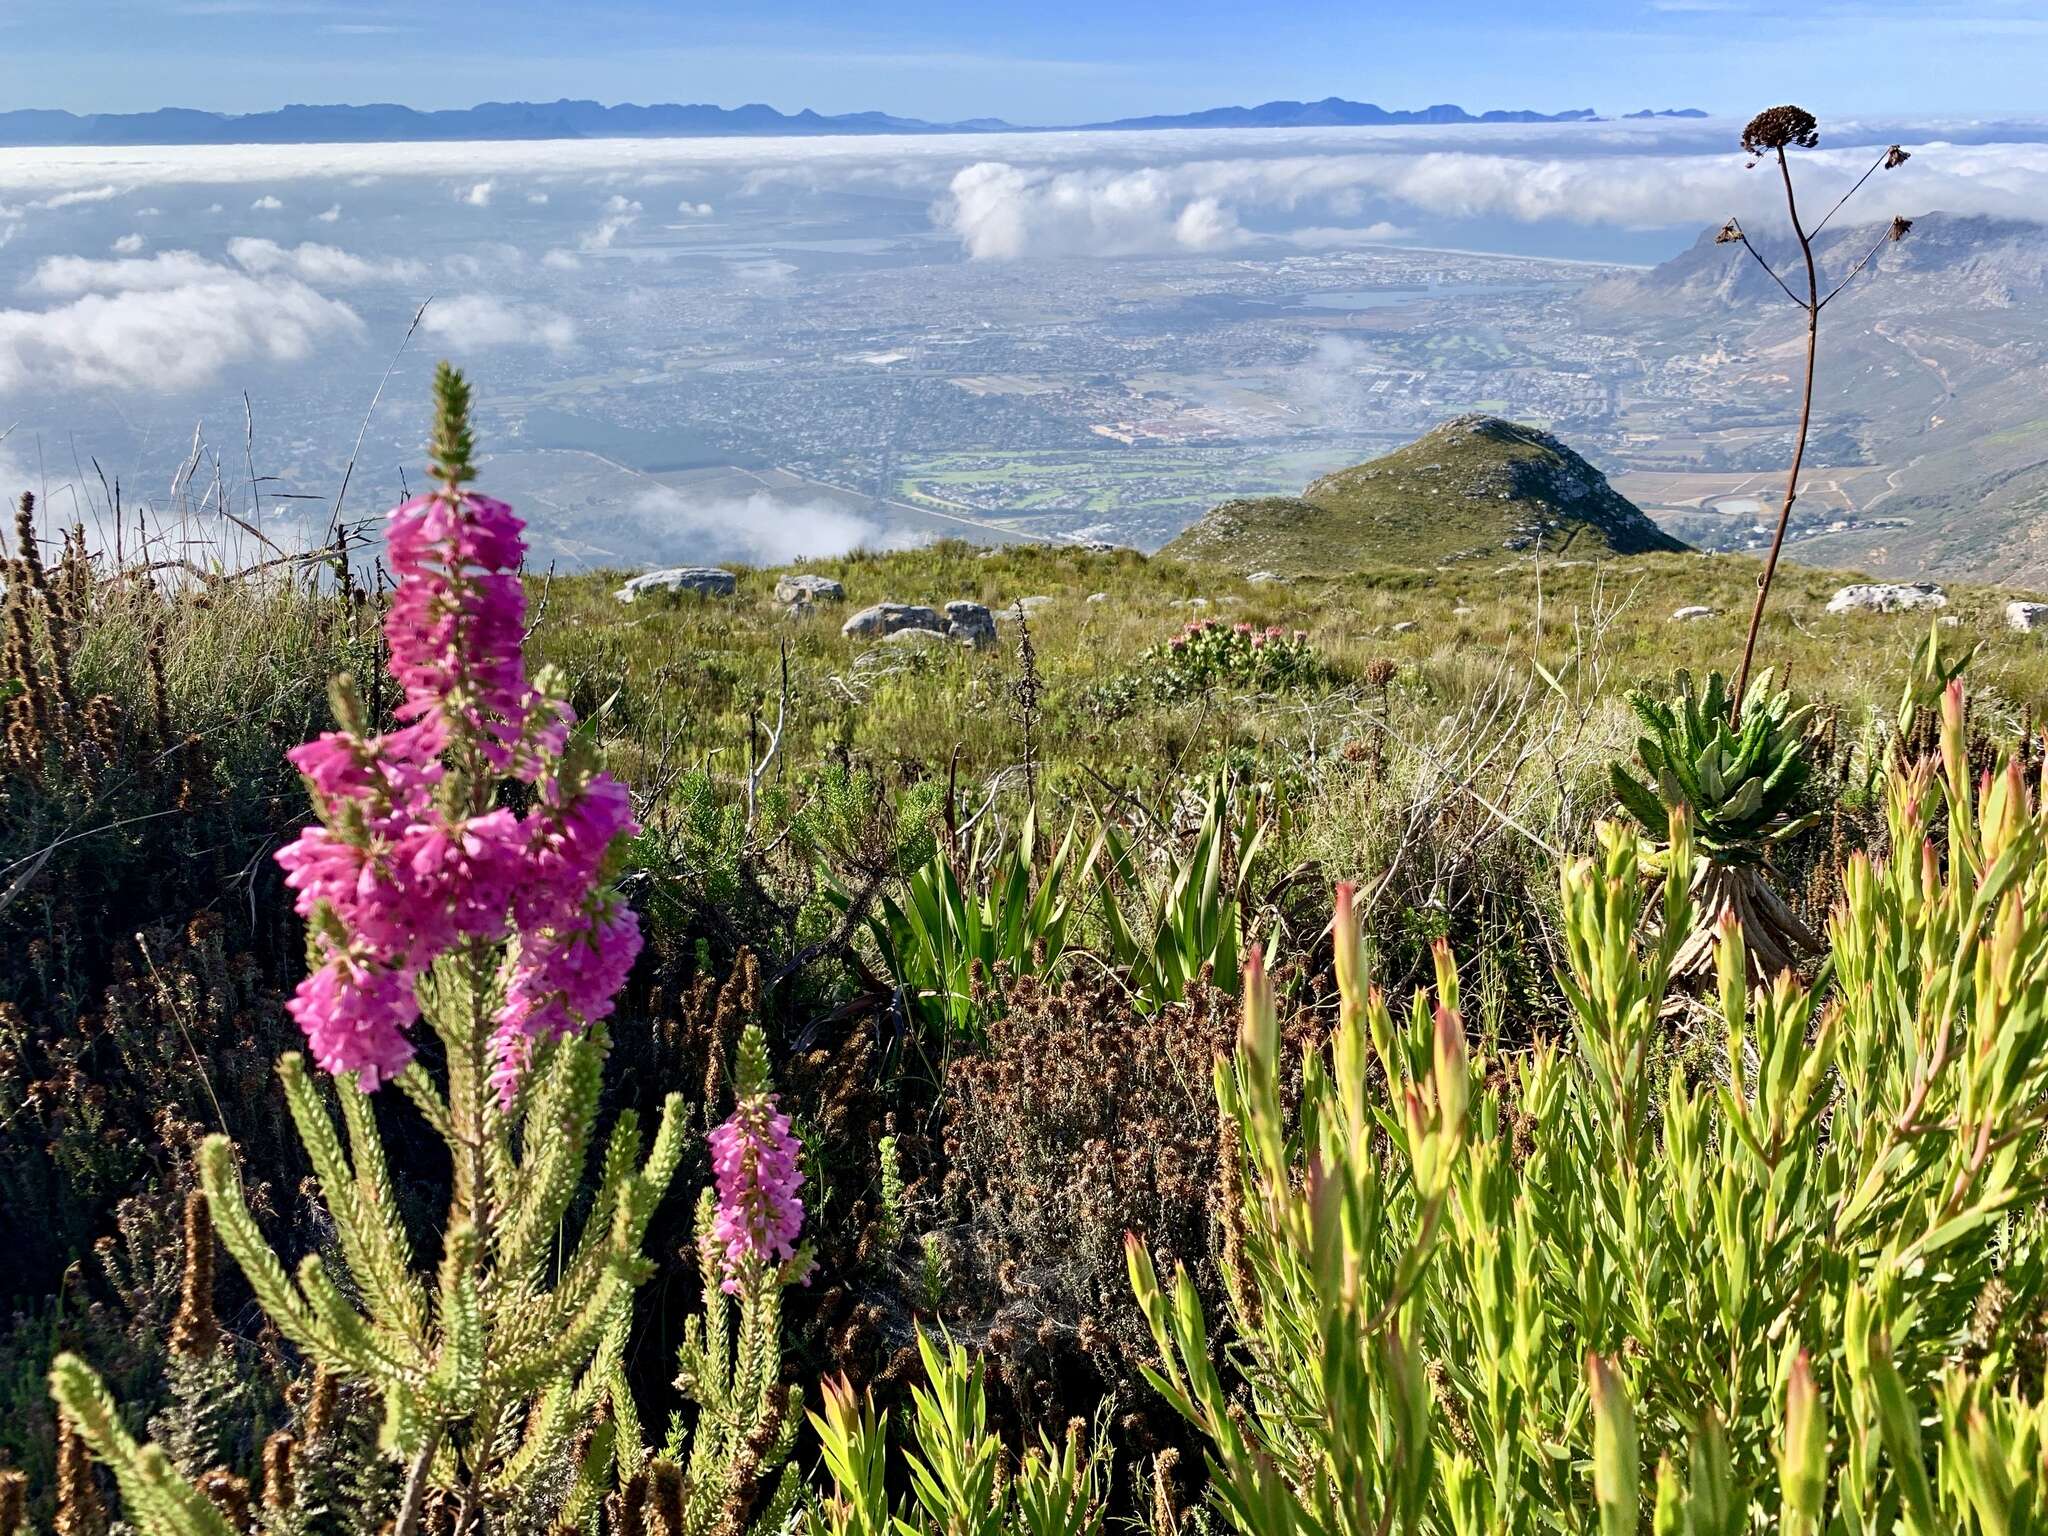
(490, 1364)
(961, 1482)
(1580, 1290)
(735, 1454)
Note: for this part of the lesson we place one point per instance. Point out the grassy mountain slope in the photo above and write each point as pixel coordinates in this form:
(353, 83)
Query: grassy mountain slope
(1476, 487)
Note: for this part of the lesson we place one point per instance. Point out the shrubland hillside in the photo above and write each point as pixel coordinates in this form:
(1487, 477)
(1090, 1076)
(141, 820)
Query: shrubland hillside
(1476, 488)
(981, 903)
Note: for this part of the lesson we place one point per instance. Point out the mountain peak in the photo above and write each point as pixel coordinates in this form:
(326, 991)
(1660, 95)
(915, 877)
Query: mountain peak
(1473, 487)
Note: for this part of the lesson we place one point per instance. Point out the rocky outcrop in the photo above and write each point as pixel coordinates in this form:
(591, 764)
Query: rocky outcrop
(885, 619)
(1887, 597)
(801, 591)
(703, 580)
(914, 639)
(971, 624)
(2026, 616)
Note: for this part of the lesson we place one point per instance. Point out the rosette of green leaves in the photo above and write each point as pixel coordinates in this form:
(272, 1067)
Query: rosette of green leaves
(1741, 783)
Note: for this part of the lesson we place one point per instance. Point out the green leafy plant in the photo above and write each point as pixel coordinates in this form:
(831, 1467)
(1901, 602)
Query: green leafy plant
(1933, 669)
(1579, 1289)
(1743, 788)
(960, 1482)
(499, 1369)
(962, 920)
(1206, 652)
(1190, 918)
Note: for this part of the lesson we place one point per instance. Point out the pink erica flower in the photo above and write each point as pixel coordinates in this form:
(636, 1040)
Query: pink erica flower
(754, 1163)
(412, 859)
(355, 1016)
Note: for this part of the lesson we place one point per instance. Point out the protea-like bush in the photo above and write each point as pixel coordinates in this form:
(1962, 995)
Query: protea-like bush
(1743, 789)
(1577, 1290)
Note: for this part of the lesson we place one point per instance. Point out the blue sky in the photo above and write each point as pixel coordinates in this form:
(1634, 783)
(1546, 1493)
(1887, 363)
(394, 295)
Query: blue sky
(1035, 61)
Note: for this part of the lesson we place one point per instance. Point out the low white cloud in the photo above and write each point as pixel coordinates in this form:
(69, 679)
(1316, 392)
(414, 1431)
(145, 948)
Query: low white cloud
(492, 256)
(63, 277)
(477, 320)
(127, 245)
(690, 210)
(477, 194)
(106, 192)
(1337, 237)
(1143, 192)
(620, 215)
(161, 325)
(149, 213)
(324, 265)
(559, 260)
(768, 274)
(1002, 212)
(267, 204)
(759, 529)
(331, 216)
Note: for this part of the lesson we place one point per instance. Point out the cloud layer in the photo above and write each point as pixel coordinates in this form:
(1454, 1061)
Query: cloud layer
(166, 322)
(759, 529)
(468, 321)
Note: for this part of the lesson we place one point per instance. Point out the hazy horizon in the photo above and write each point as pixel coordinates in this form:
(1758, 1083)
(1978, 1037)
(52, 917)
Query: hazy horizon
(1031, 334)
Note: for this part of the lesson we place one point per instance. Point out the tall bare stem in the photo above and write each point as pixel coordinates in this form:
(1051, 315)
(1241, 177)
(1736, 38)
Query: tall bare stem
(1812, 306)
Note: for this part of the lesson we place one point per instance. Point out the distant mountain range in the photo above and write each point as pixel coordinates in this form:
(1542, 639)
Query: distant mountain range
(386, 123)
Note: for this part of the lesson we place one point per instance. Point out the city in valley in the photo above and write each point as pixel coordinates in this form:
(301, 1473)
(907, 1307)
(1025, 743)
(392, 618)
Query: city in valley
(706, 359)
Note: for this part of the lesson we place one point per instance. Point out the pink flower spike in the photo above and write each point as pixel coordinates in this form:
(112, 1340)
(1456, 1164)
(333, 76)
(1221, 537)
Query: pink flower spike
(754, 1163)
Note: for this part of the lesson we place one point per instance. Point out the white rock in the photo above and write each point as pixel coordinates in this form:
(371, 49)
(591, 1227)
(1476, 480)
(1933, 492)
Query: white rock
(1462, 612)
(1261, 578)
(702, 579)
(1692, 611)
(914, 639)
(1406, 626)
(1098, 597)
(1029, 605)
(800, 591)
(1887, 597)
(2027, 616)
(885, 619)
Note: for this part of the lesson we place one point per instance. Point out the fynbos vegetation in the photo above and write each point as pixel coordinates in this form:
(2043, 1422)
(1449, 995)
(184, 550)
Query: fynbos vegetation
(952, 1109)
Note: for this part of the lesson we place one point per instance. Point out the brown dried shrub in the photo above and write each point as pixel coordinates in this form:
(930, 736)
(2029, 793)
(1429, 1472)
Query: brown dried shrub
(1081, 1120)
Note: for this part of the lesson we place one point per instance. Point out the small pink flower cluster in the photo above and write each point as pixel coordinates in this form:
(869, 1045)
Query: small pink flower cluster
(754, 1162)
(412, 857)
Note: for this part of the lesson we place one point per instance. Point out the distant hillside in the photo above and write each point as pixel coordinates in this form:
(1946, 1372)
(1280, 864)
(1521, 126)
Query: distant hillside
(1933, 369)
(1958, 258)
(1474, 487)
(384, 122)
